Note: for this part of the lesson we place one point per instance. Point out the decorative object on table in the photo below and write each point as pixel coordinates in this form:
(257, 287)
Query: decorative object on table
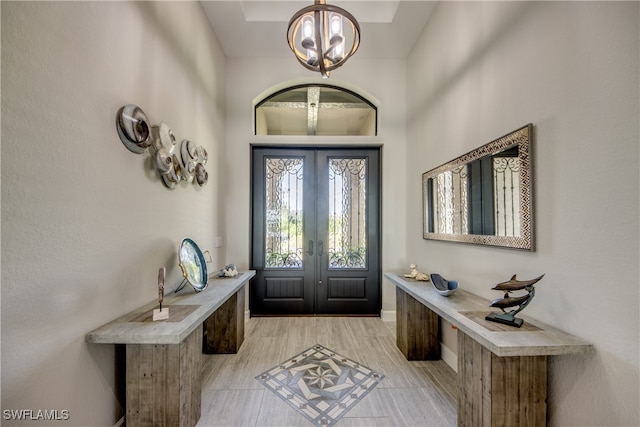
(443, 286)
(417, 275)
(323, 37)
(229, 270)
(320, 384)
(193, 265)
(508, 318)
(159, 313)
(173, 164)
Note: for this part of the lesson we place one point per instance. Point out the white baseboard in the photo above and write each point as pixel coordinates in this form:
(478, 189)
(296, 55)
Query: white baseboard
(449, 357)
(388, 315)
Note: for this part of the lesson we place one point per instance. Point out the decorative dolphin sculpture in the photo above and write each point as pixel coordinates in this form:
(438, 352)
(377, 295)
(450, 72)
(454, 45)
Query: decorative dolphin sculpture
(508, 301)
(515, 285)
(509, 318)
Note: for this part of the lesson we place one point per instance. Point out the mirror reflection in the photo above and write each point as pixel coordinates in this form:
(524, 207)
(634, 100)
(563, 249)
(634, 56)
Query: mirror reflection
(483, 197)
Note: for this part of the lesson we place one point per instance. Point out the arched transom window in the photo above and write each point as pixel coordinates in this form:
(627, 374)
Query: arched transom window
(315, 110)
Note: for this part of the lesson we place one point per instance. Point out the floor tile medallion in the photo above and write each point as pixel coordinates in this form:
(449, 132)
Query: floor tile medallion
(320, 384)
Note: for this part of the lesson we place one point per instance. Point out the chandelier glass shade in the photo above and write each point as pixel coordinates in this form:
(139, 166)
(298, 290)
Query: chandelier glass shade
(323, 36)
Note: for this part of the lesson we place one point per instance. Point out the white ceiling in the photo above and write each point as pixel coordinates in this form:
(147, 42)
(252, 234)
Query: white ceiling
(258, 28)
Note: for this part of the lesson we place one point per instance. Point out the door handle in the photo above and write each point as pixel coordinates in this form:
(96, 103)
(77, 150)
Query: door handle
(310, 251)
(320, 248)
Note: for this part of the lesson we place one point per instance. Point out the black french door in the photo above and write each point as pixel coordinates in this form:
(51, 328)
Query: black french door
(315, 231)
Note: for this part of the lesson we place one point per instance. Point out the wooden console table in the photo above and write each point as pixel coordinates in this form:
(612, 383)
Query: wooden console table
(163, 358)
(502, 370)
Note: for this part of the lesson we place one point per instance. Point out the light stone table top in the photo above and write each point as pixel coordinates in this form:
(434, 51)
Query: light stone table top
(538, 340)
(129, 330)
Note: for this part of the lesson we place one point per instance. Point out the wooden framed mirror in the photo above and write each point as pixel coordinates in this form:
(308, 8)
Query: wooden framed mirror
(484, 197)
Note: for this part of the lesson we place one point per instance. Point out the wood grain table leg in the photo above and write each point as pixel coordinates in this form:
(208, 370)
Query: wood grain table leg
(500, 391)
(224, 329)
(417, 328)
(164, 383)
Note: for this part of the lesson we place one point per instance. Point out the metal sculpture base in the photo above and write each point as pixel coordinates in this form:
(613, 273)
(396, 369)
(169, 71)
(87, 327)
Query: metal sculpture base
(505, 319)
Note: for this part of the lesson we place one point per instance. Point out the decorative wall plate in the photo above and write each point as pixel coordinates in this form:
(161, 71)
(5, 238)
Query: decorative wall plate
(167, 182)
(202, 155)
(201, 175)
(193, 265)
(173, 165)
(133, 128)
(164, 162)
(188, 159)
(166, 140)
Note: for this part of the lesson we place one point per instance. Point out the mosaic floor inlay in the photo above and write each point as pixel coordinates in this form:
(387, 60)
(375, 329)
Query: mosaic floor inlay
(320, 384)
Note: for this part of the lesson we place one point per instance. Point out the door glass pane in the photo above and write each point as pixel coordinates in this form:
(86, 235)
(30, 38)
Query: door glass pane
(283, 213)
(347, 213)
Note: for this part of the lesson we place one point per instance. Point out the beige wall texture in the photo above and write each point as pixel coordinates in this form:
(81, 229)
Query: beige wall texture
(86, 224)
(483, 69)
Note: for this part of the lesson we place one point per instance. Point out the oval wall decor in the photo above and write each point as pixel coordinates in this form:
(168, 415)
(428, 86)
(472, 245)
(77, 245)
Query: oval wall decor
(173, 162)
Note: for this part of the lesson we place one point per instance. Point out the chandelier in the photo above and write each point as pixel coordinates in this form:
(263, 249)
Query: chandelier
(323, 36)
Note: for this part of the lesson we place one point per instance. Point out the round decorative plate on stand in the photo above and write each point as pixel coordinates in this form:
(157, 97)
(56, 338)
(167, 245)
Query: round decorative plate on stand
(193, 265)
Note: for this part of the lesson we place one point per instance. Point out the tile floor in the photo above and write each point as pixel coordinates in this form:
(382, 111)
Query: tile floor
(320, 384)
(417, 393)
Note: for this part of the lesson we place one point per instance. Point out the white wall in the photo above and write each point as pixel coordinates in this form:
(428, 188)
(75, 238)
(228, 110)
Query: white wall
(483, 69)
(85, 223)
(381, 81)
